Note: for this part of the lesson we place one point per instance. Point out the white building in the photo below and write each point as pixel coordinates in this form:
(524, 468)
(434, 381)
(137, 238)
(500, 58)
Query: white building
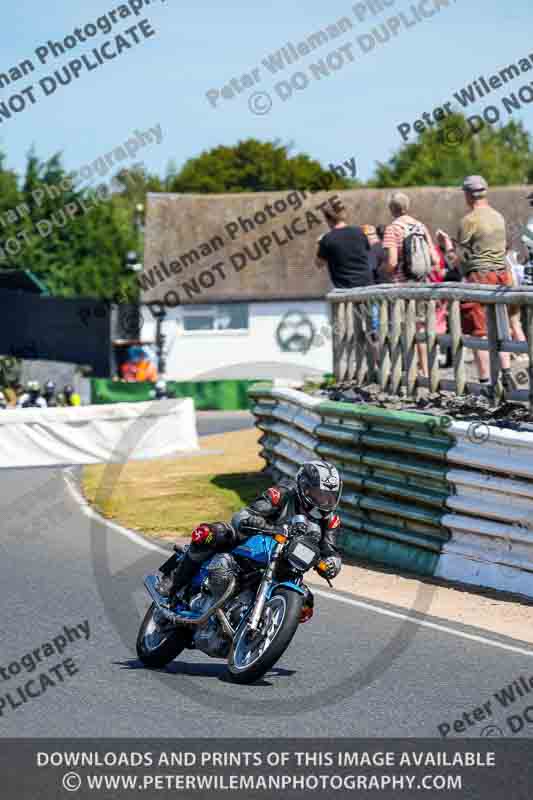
(245, 340)
(246, 303)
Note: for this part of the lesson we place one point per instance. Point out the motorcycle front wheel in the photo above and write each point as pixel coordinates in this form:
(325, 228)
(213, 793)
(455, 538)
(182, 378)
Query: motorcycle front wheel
(158, 641)
(253, 653)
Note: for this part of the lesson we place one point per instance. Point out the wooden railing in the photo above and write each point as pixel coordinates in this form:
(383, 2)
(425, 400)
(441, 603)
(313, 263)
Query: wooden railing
(390, 358)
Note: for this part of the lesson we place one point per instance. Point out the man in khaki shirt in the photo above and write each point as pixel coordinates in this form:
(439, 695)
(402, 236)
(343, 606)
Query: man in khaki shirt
(482, 242)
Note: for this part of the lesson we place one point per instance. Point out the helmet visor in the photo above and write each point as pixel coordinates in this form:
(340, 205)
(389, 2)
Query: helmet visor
(324, 499)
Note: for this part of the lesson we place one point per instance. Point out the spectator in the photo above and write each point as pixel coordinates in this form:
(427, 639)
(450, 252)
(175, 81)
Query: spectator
(382, 274)
(438, 275)
(395, 262)
(376, 255)
(146, 370)
(138, 367)
(479, 251)
(345, 250)
(515, 311)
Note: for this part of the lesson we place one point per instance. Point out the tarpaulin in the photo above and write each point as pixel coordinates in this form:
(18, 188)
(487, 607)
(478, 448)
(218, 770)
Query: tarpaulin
(94, 434)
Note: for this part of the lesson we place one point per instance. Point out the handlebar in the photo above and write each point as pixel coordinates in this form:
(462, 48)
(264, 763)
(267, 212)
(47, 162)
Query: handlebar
(270, 531)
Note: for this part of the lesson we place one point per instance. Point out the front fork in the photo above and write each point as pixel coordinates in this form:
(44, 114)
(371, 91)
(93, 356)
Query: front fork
(264, 588)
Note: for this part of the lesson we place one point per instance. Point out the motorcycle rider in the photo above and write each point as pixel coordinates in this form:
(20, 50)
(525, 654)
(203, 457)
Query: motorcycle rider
(49, 394)
(313, 494)
(69, 397)
(32, 396)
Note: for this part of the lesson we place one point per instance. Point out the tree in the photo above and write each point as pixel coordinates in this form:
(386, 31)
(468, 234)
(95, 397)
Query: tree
(74, 239)
(252, 166)
(444, 154)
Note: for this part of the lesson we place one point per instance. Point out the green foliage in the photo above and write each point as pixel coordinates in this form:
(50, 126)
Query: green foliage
(10, 370)
(446, 153)
(81, 253)
(250, 166)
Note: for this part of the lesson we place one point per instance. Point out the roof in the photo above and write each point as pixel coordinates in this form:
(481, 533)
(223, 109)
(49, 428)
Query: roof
(262, 246)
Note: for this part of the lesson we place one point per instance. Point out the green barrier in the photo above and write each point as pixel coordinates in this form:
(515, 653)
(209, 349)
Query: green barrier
(230, 395)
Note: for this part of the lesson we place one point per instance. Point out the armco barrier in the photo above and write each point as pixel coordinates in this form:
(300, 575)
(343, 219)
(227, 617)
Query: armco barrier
(393, 465)
(490, 513)
(417, 493)
(226, 395)
(49, 437)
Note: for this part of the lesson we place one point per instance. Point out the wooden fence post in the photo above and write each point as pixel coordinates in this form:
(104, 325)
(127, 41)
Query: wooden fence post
(396, 344)
(458, 351)
(411, 360)
(383, 352)
(338, 340)
(432, 346)
(494, 351)
(350, 340)
(359, 336)
(529, 335)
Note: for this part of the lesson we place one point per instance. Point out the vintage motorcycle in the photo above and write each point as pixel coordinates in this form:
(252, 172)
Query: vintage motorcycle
(244, 606)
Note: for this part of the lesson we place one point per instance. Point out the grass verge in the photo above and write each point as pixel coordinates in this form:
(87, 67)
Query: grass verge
(167, 498)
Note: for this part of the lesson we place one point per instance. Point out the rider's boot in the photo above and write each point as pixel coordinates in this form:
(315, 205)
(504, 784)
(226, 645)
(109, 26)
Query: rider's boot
(170, 585)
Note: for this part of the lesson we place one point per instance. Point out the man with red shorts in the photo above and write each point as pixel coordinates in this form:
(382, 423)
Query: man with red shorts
(482, 243)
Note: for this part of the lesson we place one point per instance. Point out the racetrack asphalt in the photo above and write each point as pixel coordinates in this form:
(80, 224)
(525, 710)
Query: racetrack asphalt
(354, 670)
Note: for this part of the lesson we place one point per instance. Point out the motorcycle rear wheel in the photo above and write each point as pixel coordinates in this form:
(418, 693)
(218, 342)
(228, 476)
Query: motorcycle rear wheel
(159, 644)
(253, 654)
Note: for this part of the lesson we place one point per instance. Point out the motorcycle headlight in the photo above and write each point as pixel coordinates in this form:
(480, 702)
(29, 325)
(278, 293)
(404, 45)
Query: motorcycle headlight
(302, 554)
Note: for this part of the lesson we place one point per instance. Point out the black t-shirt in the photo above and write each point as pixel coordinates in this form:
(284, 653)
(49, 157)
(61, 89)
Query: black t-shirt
(346, 252)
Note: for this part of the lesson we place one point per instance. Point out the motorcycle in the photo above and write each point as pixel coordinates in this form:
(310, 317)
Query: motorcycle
(245, 606)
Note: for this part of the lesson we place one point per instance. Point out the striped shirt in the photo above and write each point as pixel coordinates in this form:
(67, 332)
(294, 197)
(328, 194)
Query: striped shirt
(394, 238)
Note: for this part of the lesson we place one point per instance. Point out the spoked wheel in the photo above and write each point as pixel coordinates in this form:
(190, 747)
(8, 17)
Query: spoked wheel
(158, 641)
(254, 652)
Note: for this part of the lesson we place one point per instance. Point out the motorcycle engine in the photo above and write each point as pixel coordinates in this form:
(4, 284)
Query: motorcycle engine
(210, 638)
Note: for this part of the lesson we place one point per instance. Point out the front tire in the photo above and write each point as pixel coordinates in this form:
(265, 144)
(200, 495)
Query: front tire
(158, 643)
(251, 655)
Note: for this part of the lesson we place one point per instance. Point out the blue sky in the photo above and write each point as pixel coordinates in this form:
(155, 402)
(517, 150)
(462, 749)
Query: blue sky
(200, 47)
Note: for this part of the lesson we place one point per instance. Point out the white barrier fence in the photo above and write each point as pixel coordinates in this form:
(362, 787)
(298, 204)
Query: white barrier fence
(491, 509)
(52, 437)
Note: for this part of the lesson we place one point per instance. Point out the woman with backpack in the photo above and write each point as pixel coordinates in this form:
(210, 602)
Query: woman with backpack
(410, 257)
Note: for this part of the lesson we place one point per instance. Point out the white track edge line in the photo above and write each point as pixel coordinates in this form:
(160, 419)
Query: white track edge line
(423, 623)
(92, 514)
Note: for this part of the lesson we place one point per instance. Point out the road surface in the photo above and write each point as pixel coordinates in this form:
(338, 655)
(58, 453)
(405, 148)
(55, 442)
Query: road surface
(355, 670)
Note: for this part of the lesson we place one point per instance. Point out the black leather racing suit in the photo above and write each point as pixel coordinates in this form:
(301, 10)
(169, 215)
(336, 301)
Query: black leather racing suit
(277, 506)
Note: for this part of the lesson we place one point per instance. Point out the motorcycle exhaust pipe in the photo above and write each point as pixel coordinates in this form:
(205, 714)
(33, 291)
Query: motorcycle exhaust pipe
(150, 583)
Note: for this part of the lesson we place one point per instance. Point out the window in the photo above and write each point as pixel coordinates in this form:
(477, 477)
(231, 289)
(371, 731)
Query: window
(227, 317)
